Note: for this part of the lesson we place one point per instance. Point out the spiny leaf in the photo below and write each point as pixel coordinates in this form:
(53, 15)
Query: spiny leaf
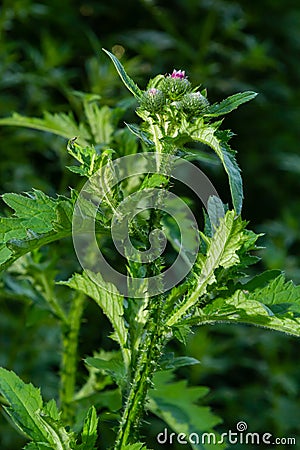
(229, 104)
(215, 211)
(207, 135)
(129, 83)
(109, 300)
(38, 220)
(277, 292)
(275, 306)
(26, 410)
(175, 403)
(100, 122)
(61, 124)
(25, 401)
(113, 367)
(89, 433)
(222, 251)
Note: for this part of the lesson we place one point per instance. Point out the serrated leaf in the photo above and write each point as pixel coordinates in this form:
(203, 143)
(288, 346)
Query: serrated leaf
(175, 403)
(215, 211)
(100, 122)
(50, 409)
(113, 367)
(38, 220)
(207, 135)
(222, 251)
(278, 291)
(89, 433)
(60, 124)
(109, 300)
(25, 401)
(275, 306)
(261, 280)
(26, 410)
(229, 104)
(129, 83)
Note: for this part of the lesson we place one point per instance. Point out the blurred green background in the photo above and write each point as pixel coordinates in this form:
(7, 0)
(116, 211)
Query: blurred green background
(48, 49)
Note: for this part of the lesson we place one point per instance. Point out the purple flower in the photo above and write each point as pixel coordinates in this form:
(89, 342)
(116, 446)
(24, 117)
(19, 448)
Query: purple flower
(178, 74)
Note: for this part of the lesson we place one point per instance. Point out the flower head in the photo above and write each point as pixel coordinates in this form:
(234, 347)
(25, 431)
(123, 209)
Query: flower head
(153, 100)
(175, 85)
(194, 103)
(153, 91)
(178, 74)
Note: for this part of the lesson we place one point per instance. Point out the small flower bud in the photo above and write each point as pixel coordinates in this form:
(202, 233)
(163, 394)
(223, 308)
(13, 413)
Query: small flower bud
(153, 100)
(194, 103)
(175, 85)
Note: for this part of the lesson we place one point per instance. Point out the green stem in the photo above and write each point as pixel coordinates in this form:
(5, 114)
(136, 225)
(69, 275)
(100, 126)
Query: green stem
(148, 355)
(51, 299)
(70, 332)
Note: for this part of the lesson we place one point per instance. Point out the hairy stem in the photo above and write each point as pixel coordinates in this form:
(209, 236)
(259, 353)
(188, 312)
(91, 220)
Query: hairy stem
(70, 332)
(148, 355)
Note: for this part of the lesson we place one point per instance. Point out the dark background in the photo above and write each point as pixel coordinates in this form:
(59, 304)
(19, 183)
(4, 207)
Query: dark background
(48, 49)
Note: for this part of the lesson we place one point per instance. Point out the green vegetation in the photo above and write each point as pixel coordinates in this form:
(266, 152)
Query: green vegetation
(57, 84)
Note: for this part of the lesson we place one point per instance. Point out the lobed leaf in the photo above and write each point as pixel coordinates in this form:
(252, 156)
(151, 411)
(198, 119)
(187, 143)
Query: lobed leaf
(222, 251)
(60, 124)
(38, 220)
(275, 306)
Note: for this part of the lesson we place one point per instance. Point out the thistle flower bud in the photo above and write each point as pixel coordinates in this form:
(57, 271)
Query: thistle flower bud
(194, 103)
(175, 85)
(153, 100)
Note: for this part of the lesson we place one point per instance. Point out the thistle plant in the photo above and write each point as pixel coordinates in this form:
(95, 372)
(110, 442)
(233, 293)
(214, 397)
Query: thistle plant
(148, 297)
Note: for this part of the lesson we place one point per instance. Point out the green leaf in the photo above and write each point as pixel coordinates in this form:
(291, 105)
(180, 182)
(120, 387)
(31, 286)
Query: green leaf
(222, 251)
(89, 433)
(38, 220)
(129, 83)
(25, 401)
(175, 403)
(109, 300)
(218, 142)
(229, 104)
(215, 211)
(26, 410)
(278, 291)
(169, 361)
(61, 124)
(113, 367)
(140, 134)
(100, 122)
(261, 279)
(275, 306)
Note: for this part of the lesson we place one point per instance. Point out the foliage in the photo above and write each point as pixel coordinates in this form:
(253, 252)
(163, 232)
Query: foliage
(213, 291)
(44, 57)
